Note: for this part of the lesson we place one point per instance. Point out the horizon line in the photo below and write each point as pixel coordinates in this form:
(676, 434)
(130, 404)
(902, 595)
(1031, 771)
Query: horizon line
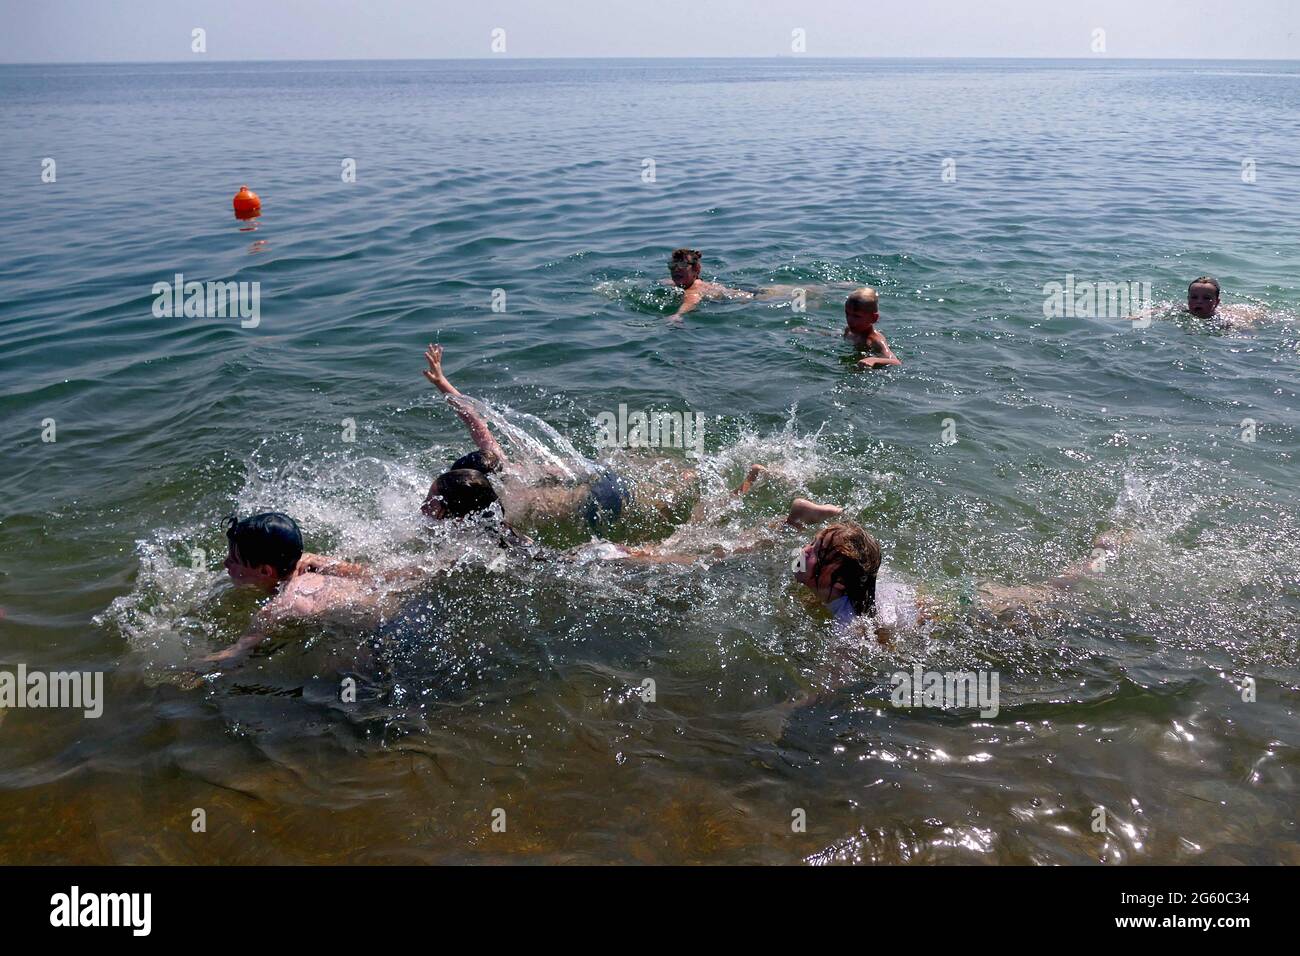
(525, 59)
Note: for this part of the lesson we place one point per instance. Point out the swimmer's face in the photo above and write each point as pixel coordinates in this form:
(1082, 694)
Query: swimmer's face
(1202, 300)
(433, 506)
(861, 316)
(813, 573)
(683, 273)
(248, 575)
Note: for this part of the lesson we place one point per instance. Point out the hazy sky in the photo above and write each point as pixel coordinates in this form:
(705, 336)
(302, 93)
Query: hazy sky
(143, 30)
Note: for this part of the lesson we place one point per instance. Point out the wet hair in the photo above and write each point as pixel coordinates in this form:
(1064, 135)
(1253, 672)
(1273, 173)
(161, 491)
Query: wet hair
(866, 297)
(475, 461)
(689, 257)
(1204, 280)
(464, 491)
(267, 538)
(853, 556)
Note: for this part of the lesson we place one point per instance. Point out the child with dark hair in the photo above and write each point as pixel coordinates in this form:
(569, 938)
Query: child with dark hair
(476, 482)
(458, 493)
(1204, 296)
(265, 551)
(464, 488)
(476, 461)
(684, 270)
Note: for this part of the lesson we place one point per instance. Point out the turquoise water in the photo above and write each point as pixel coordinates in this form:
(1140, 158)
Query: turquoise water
(517, 687)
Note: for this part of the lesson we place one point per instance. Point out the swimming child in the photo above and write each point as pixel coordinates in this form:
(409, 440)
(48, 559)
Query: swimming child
(265, 551)
(1203, 302)
(528, 492)
(861, 313)
(1203, 297)
(684, 268)
(841, 566)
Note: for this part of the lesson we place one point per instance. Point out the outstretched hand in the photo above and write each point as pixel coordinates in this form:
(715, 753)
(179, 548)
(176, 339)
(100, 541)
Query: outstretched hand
(433, 355)
(434, 373)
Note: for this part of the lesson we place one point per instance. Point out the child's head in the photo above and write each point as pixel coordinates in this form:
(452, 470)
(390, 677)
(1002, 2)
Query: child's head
(459, 492)
(263, 549)
(1203, 297)
(842, 561)
(684, 267)
(862, 310)
(476, 461)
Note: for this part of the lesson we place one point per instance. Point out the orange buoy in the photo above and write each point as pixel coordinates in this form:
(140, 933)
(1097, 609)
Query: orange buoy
(247, 204)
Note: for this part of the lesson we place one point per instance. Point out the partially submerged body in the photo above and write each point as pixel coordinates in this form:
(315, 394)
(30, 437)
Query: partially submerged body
(1204, 304)
(530, 495)
(684, 273)
(702, 290)
(861, 313)
(842, 566)
(265, 552)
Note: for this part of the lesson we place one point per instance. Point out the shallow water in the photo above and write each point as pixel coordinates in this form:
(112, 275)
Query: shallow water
(519, 686)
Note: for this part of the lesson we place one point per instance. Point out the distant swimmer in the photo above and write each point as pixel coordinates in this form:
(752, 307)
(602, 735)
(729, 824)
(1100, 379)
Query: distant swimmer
(1203, 297)
(265, 551)
(1203, 302)
(531, 494)
(684, 268)
(861, 313)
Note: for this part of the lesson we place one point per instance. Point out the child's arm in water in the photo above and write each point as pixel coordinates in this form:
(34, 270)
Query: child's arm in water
(1240, 316)
(236, 651)
(322, 564)
(692, 296)
(311, 594)
(1002, 599)
(263, 622)
(690, 299)
(478, 429)
(803, 513)
(885, 355)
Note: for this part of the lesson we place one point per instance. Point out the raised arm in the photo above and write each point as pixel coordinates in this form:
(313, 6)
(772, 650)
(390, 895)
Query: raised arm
(478, 428)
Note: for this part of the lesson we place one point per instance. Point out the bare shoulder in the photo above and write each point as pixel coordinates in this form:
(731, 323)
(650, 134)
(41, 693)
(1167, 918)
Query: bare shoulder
(1241, 316)
(311, 594)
